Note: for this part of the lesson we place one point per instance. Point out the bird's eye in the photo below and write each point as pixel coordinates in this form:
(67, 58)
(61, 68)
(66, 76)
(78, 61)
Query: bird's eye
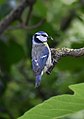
(44, 35)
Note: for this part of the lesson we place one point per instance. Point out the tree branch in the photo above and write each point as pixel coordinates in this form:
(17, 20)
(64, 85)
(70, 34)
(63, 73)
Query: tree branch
(29, 15)
(15, 14)
(23, 26)
(57, 54)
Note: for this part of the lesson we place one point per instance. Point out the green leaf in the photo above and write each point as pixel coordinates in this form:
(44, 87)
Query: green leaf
(58, 106)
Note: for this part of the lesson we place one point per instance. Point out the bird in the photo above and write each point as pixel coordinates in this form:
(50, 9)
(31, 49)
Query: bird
(41, 55)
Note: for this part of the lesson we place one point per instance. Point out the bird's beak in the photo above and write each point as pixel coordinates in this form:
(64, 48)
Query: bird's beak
(49, 37)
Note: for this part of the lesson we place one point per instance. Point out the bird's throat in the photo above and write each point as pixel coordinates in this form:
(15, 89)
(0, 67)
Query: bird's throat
(45, 43)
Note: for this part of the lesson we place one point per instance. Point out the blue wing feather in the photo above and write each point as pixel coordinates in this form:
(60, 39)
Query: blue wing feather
(40, 62)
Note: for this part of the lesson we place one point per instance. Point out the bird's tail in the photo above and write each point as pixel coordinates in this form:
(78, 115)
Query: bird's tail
(38, 80)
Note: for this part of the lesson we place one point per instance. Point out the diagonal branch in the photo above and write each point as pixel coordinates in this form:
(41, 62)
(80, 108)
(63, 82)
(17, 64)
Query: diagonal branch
(57, 54)
(23, 26)
(15, 14)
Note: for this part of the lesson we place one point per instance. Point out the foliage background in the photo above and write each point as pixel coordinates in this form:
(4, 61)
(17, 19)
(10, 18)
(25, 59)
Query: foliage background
(64, 21)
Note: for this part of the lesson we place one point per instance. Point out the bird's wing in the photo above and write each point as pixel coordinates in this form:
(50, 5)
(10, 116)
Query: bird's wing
(40, 62)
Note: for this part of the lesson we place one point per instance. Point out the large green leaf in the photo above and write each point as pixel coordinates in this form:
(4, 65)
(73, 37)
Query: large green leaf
(58, 106)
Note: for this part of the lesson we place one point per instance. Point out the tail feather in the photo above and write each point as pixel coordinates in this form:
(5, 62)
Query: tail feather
(38, 80)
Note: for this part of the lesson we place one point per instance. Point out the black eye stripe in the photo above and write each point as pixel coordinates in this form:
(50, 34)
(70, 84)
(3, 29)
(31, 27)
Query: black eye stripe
(44, 35)
(41, 35)
(36, 39)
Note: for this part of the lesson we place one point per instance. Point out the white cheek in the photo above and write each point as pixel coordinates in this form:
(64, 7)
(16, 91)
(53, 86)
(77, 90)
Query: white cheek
(41, 38)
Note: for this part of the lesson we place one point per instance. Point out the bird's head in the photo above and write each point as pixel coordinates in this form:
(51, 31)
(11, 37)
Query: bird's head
(40, 37)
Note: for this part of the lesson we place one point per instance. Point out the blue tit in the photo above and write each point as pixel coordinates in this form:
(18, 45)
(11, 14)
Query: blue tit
(41, 55)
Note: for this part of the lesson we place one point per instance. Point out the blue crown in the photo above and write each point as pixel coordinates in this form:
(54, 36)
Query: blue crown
(41, 33)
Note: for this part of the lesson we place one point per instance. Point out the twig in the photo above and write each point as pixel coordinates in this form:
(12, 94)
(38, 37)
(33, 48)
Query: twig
(23, 26)
(29, 15)
(57, 54)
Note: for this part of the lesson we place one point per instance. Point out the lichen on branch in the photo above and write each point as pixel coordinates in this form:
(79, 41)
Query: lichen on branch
(58, 53)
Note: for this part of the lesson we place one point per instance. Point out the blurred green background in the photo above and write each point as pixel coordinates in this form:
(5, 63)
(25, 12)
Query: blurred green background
(64, 21)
